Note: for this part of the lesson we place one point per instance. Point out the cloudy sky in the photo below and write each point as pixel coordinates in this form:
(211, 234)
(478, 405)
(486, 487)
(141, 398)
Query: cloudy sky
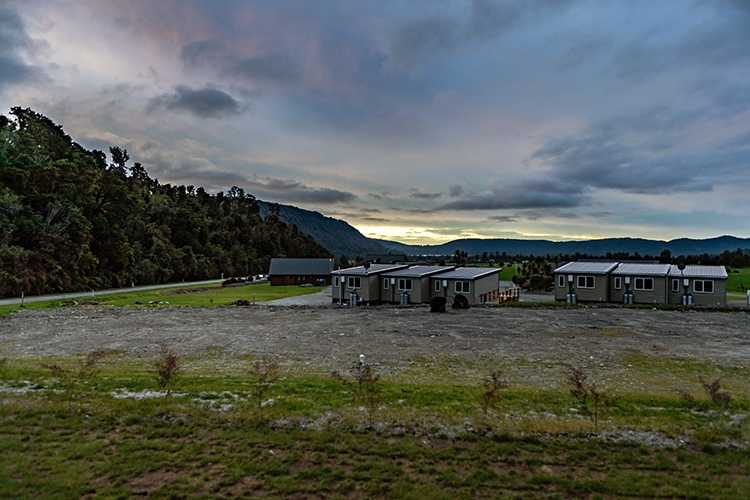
(421, 120)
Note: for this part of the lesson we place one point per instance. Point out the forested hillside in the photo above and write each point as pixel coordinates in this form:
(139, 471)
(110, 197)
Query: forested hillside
(69, 221)
(334, 234)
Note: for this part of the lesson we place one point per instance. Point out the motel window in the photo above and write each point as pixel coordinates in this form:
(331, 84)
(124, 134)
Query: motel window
(618, 283)
(386, 283)
(354, 282)
(646, 284)
(561, 281)
(585, 282)
(437, 285)
(463, 286)
(336, 281)
(703, 286)
(405, 284)
(675, 285)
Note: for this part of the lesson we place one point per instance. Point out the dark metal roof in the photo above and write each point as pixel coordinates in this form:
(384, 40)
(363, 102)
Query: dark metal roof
(374, 269)
(300, 267)
(717, 272)
(640, 269)
(386, 258)
(586, 268)
(417, 271)
(468, 273)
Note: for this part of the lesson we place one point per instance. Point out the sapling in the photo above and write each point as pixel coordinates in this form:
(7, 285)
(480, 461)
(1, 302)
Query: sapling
(365, 386)
(716, 395)
(166, 366)
(591, 400)
(684, 395)
(492, 385)
(72, 378)
(3, 362)
(263, 374)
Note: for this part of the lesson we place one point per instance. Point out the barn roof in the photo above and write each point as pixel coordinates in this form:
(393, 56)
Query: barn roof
(301, 267)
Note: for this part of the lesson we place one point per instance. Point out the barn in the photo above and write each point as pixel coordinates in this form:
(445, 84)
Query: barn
(300, 271)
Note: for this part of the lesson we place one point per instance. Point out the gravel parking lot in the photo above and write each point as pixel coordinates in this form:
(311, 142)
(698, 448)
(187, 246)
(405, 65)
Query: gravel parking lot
(535, 342)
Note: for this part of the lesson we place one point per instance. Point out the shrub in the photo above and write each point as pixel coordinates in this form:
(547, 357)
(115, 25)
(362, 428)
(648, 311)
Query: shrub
(365, 386)
(491, 387)
(166, 366)
(592, 401)
(263, 374)
(713, 389)
(72, 378)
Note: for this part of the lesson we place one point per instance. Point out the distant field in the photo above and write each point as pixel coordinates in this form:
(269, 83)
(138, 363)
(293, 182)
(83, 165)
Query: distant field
(198, 297)
(739, 280)
(507, 273)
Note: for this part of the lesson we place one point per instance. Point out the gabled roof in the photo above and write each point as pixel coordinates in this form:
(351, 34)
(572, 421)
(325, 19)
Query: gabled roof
(301, 267)
(386, 258)
(374, 269)
(586, 268)
(417, 271)
(634, 269)
(717, 272)
(467, 273)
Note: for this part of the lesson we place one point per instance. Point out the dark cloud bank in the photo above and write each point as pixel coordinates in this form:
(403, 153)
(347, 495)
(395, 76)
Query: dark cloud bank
(203, 103)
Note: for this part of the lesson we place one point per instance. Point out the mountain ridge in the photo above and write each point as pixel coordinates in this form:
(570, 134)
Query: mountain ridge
(340, 237)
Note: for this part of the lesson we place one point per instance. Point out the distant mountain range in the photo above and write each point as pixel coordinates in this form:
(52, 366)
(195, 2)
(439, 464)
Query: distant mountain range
(341, 238)
(681, 246)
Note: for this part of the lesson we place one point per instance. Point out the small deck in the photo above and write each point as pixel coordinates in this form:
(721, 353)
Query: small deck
(508, 295)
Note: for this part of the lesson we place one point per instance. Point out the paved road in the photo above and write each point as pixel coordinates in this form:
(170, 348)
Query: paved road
(65, 296)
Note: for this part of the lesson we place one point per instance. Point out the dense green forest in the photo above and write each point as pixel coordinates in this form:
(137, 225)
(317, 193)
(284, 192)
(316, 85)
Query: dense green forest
(71, 222)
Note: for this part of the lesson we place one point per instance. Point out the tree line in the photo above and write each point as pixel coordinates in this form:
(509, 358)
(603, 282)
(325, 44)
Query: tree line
(70, 221)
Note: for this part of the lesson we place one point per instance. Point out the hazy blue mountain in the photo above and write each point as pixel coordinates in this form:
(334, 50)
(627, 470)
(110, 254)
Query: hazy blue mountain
(334, 234)
(341, 238)
(681, 246)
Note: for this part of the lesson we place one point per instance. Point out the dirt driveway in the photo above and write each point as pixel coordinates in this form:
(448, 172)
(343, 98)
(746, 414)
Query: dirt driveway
(536, 341)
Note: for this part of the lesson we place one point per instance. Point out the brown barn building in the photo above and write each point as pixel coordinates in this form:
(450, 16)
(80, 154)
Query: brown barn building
(300, 271)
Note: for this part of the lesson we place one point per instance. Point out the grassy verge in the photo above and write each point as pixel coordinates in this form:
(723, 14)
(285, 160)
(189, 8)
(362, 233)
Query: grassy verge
(196, 296)
(115, 434)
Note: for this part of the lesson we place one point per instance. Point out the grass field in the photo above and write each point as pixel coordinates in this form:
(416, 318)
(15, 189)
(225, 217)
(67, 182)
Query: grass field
(507, 273)
(738, 280)
(198, 297)
(114, 435)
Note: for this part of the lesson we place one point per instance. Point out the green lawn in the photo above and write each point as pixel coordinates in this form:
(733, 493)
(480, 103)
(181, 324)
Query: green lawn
(209, 296)
(507, 273)
(431, 437)
(738, 280)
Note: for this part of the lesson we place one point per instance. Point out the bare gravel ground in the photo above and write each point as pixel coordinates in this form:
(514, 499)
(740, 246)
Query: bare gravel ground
(531, 344)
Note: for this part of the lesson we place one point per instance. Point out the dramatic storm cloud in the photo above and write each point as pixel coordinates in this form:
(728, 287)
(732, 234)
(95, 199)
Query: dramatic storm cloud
(203, 103)
(420, 121)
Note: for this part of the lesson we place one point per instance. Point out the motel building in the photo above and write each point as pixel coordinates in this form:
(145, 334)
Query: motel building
(640, 283)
